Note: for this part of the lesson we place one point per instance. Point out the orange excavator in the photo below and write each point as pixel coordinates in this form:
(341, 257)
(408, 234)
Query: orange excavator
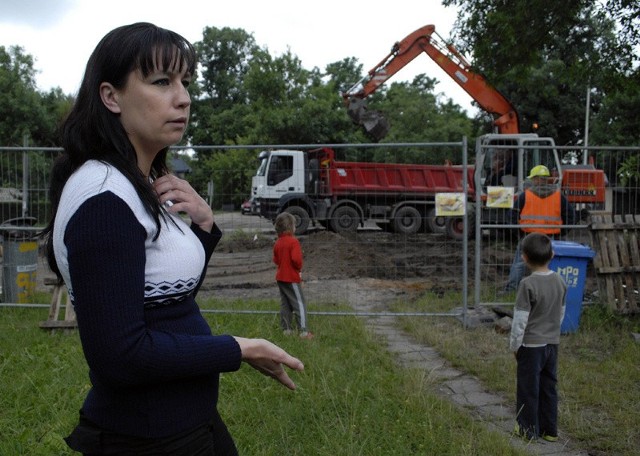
(581, 184)
(426, 40)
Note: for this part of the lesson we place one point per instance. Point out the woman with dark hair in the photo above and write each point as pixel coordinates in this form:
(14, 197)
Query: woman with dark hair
(133, 266)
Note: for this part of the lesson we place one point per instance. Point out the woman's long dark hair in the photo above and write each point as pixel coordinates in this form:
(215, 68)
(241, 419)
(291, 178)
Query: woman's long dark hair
(92, 132)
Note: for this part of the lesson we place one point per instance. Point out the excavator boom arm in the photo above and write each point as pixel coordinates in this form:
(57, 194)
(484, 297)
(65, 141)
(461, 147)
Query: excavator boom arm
(426, 40)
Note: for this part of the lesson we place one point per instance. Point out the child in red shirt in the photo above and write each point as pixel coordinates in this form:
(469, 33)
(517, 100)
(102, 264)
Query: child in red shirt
(287, 255)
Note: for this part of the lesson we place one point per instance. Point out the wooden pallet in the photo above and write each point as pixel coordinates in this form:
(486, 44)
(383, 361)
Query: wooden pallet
(617, 260)
(52, 322)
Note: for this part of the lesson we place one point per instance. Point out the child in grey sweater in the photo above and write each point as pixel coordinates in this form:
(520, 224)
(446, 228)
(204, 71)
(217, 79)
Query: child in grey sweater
(534, 340)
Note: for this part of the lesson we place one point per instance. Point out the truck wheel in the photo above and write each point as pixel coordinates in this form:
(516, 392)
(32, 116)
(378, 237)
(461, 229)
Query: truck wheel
(435, 224)
(345, 219)
(407, 220)
(455, 228)
(302, 218)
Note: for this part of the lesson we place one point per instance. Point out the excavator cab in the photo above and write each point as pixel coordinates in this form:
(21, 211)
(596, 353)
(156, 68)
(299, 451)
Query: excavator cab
(505, 159)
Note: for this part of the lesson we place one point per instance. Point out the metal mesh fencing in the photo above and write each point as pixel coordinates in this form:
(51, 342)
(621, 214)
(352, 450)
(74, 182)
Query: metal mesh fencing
(595, 181)
(379, 266)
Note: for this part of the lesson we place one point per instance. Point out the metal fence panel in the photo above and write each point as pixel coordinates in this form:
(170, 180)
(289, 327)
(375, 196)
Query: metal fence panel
(618, 196)
(434, 260)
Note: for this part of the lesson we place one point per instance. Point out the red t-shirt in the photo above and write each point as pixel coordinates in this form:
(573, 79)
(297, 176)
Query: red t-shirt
(287, 254)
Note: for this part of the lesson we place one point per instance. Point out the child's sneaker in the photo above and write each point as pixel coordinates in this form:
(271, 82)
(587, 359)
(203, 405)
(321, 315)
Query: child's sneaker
(306, 335)
(550, 438)
(519, 432)
(287, 332)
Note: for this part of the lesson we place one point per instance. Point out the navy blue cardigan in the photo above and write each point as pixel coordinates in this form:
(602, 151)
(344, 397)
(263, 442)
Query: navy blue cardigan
(153, 363)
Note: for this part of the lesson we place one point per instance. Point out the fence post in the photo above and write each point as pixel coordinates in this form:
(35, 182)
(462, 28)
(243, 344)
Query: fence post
(25, 176)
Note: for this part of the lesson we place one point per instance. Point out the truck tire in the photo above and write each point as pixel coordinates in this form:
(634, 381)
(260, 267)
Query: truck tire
(455, 228)
(302, 218)
(407, 220)
(345, 219)
(433, 224)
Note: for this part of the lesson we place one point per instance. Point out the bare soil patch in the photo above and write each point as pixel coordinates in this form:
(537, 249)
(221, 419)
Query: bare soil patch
(369, 268)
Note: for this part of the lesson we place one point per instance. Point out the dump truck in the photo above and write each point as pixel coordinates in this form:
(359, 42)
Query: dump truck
(341, 195)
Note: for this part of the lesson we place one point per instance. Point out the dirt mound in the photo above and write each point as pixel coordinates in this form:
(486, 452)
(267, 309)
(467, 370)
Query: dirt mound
(328, 255)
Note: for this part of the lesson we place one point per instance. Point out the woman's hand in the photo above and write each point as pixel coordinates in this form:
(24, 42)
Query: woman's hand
(178, 196)
(269, 359)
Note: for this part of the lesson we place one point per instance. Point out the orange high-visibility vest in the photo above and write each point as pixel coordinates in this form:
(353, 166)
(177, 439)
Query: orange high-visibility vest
(546, 212)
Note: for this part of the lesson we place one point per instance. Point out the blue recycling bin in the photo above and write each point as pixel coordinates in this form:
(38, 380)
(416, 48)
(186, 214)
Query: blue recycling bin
(570, 261)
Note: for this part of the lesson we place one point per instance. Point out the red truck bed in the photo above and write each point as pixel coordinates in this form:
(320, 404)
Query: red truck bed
(340, 178)
(353, 177)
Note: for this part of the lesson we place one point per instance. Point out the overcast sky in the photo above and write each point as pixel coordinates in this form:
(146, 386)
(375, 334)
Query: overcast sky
(61, 34)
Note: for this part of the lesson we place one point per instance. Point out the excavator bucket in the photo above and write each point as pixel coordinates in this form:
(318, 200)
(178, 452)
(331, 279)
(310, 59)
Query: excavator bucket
(374, 122)
(357, 106)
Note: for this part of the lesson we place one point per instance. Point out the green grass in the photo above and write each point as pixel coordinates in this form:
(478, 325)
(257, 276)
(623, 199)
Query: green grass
(352, 399)
(598, 372)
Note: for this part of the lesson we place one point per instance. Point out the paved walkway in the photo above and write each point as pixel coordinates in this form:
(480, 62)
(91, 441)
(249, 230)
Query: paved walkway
(466, 391)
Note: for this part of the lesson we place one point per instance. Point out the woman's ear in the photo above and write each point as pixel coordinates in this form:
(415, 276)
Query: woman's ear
(109, 97)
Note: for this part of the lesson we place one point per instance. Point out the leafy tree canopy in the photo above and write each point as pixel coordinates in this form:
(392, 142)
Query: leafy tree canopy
(544, 56)
(26, 113)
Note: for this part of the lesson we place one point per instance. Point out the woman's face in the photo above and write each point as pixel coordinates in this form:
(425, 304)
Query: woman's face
(154, 110)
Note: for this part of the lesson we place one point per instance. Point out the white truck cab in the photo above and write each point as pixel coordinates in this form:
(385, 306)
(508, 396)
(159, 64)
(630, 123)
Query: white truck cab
(280, 172)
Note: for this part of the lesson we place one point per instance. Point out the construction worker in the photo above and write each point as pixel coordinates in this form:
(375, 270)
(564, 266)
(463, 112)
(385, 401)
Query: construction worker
(541, 203)
(501, 166)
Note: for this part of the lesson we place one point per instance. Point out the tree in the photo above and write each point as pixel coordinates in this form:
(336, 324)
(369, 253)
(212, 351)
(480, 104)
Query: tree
(616, 121)
(24, 112)
(267, 100)
(219, 100)
(225, 56)
(344, 73)
(543, 56)
(491, 31)
(627, 13)
(247, 96)
(293, 105)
